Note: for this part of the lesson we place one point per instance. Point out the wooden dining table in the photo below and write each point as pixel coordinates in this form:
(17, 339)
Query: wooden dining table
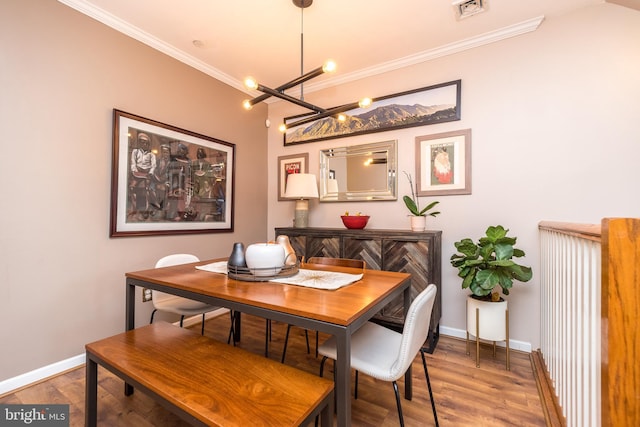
(337, 312)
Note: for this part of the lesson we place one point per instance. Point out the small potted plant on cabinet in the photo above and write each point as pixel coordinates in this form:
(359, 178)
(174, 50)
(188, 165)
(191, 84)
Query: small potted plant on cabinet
(418, 216)
(487, 269)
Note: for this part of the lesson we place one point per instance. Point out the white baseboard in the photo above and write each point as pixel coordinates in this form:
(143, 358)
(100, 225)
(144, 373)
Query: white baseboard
(461, 333)
(15, 383)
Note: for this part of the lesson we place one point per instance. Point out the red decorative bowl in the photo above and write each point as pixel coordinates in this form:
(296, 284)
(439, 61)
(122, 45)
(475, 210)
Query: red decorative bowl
(356, 222)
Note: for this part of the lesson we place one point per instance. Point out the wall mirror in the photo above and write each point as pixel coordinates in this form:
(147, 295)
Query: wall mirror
(359, 172)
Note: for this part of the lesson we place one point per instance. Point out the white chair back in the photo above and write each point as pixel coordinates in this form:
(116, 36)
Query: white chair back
(167, 261)
(176, 259)
(416, 329)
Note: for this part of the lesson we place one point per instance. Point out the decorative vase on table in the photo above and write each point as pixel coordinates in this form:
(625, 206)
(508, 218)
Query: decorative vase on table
(264, 259)
(236, 259)
(289, 252)
(418, 223)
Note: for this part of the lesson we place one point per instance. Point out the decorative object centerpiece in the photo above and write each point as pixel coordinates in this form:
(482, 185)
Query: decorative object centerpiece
(265, 259)
(356, 222)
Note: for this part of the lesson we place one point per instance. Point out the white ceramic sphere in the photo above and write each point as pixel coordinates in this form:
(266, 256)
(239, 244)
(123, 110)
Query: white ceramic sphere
(265, 259)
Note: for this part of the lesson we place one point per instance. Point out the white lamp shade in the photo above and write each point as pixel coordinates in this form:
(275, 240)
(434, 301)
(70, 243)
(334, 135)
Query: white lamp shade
(301, 186)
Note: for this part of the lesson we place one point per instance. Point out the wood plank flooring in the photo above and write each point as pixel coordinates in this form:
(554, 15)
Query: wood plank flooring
(465, 395)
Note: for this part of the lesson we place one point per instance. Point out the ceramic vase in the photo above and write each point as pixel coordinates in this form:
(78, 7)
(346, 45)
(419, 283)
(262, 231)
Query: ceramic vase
(236, 259)
(418, 223)
(264, 259)
(289, 252)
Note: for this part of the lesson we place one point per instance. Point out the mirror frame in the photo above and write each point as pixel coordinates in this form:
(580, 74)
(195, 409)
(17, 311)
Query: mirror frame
(389, 193)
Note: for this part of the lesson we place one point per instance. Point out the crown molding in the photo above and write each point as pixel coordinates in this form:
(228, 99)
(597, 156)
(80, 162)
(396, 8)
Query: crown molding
(431, 54)
(124, 27)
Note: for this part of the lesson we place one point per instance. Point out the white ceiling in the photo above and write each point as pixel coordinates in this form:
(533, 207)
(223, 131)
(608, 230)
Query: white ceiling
(261, 38)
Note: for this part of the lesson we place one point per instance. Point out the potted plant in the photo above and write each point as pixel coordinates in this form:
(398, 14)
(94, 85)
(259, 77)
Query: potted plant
(487, 269)
(419, 216)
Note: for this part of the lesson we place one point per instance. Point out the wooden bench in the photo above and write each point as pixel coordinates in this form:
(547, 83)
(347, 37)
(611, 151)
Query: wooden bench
(207, 382)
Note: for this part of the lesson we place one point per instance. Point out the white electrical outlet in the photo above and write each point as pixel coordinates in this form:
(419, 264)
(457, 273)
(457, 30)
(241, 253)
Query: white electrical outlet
(146, 295)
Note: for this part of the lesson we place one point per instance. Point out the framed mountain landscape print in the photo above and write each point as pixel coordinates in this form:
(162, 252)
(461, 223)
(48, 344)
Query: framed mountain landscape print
(419, 107)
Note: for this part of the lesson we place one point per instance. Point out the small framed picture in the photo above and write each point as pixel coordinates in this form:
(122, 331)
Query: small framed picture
(287, 165)
(443, 163)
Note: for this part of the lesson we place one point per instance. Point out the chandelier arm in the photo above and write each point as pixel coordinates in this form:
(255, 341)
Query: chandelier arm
(298, 80)
(321, 115)
(291, 99)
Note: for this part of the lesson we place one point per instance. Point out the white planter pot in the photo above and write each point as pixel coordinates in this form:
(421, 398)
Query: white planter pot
(493, 320)
(418, 223)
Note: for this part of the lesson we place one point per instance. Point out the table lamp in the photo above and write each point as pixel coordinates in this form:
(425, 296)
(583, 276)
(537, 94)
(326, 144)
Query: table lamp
(301, 186)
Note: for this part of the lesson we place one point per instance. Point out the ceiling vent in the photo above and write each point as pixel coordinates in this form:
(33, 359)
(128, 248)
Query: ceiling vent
(466, 8)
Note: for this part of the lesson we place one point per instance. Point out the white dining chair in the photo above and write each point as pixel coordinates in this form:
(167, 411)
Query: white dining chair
(385, 354)
(179, 305)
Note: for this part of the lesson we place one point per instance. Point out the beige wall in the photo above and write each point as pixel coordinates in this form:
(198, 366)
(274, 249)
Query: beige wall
(555, 136)
(61, 74)
(554, 119)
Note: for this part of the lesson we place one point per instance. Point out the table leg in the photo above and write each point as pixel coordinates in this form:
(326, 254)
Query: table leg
(130, 321)
(343, 378)
(237, 322)
(91, 393)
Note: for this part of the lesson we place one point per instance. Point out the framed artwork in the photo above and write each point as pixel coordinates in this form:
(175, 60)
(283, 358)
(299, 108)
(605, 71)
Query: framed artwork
(443, 163)
(287, 165)
(420, 107)
(167, 180)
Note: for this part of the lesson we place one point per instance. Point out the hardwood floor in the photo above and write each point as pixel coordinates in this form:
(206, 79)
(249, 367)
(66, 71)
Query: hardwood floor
(465, 395)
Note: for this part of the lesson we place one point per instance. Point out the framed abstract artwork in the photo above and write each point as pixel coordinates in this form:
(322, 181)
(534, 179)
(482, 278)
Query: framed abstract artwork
(167, 180)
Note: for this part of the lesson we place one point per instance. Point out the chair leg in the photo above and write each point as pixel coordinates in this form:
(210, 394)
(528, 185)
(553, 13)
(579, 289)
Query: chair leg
(152, 313)
(181, 320)
(426, 374)
(324, 359)
(398, 404)
(286, 341)
(202, 332)
(306, 336)
(267, 338)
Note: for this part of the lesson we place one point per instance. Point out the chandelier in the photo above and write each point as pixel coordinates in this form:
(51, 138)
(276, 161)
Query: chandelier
(279, 92)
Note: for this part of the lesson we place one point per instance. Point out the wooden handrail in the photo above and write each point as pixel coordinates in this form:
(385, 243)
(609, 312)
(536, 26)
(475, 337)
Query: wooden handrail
(584, 231)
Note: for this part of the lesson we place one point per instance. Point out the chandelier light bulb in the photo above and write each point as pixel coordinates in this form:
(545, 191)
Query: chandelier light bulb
(251, 83)
(329, 66)
(247, 104)
(342, 117)
(364, 102)
(282, 128)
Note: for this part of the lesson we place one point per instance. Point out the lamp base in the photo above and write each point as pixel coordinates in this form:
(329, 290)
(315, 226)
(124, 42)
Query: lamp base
(301, 218)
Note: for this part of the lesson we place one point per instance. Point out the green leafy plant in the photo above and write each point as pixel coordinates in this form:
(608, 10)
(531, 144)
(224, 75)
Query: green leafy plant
(413, 203)
(485, 265)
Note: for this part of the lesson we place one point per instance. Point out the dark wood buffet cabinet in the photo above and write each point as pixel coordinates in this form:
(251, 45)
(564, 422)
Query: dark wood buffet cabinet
(417, 253)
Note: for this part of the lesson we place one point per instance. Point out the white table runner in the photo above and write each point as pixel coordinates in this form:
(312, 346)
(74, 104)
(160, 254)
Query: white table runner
(318, 279)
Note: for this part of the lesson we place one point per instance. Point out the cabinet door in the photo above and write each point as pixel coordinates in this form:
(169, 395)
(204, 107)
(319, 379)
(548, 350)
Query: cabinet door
(323, 247)
(407, 257)
(367, 249)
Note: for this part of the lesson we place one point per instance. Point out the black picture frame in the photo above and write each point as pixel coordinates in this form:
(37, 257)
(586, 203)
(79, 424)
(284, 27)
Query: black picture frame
(167, 180)
(429, 105)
